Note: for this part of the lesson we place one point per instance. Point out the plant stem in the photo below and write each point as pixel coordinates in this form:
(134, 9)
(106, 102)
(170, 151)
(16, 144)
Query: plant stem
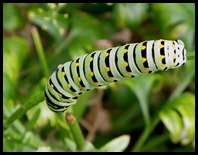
(22, 110)
(185, 82)
(39, 49)
(75, 130)
(156, 142)
(145, 134)
(191, 55)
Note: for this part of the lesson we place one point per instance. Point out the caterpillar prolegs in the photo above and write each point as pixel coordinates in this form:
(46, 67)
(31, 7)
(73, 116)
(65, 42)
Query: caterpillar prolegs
(102, 67)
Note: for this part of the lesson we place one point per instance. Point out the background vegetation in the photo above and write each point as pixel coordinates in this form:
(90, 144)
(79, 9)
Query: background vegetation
(149, 113)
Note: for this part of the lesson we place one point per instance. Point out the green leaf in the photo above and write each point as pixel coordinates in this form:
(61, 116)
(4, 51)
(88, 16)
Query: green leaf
(14, 52)
(43, 149)
(83, 26)
(116, 145)
(17, 127)
(176, 20)
(179, 118)
(70, 144)
(185, 80)
(169, 14)
(141, 87)
(81, 105)
(130, 14)
(45, 117)
(50, 20)
(32, 121)
(89, 147)
(12, 18)
(33, 101)
(156, 143)
(9, 89)
(172, 121)
(30, 142)
(15, 140)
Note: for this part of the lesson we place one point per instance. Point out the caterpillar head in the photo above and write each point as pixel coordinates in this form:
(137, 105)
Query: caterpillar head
(177, 54)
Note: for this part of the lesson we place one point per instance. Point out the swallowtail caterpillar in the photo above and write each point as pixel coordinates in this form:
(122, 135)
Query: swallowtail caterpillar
(74, 78)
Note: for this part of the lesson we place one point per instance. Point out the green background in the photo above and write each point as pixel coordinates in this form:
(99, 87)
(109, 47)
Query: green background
(151, 113)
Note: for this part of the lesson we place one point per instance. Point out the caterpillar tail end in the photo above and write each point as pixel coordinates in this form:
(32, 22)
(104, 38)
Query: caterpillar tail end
(59, 109)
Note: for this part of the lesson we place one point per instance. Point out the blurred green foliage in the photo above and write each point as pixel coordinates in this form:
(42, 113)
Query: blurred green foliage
(149, 113)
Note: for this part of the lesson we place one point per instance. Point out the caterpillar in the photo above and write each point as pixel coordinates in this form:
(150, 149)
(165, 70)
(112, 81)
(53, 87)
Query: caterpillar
(74, 78)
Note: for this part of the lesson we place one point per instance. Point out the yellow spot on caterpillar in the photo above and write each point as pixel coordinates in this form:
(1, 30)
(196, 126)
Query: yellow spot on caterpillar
(76, 93)
(70, 99)
(162, 57)
(126, 64)
(96, 84)
(161, 46)
(76, 65)
(130, 73)
(173, 45)
(91, 73)
(60, 95)
(107, 54)
(147, 69)
(84, 88)
(63, 73)
(79, 79)
(172, 66)
(112, 78)
(51, 85)
(174, 57)
(163, 65)
(91, 59)
(143, 47)
(143, 60)
(69, 86)
(54, 106)
(125, 50)
(107, 69)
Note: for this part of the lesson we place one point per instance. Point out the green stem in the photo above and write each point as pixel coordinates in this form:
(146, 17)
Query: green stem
(144, 108)
(75, 130)
(185, 82)
(156, 141)
(22, 110)
(39, 49)
(147, 131)
(191, 55)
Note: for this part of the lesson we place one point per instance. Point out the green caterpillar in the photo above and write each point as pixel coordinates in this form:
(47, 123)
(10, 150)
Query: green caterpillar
(100, 68)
